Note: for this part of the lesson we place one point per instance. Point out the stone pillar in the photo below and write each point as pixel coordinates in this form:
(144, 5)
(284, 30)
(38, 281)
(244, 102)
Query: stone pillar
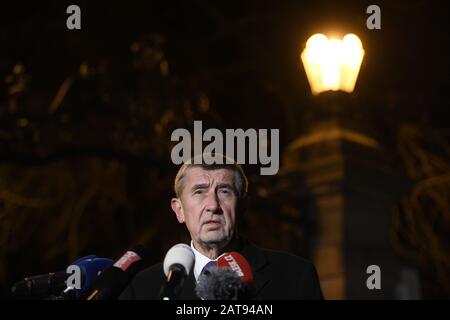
(351, 191)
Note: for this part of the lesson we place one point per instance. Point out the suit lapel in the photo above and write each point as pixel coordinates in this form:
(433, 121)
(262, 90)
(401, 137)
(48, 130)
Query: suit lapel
(258, 262)
(188, 292)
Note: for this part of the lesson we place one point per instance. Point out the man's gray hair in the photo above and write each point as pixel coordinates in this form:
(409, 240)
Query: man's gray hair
(240, 180)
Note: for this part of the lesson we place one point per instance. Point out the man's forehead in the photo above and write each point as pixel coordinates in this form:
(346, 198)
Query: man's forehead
(201, 175)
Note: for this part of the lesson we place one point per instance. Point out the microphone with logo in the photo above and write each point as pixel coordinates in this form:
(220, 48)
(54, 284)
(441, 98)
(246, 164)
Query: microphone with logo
(113, 280)
(54, 286)
(232, 279)
(178, 263)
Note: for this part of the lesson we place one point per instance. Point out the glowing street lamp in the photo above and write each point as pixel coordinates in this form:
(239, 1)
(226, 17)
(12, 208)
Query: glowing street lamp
(332, 64)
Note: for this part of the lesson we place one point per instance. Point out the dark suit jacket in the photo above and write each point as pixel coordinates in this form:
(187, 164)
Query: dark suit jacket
(277, 275)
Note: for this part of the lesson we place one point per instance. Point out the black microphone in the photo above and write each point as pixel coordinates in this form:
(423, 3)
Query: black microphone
(113, 280)
(41, 285)
(47, 284)
(178, 263)
(219, 284)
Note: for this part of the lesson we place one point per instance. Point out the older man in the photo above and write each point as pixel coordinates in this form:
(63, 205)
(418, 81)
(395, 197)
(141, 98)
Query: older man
(209, 200)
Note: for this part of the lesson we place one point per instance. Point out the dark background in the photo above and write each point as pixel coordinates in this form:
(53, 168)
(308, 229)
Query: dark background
(87, 169)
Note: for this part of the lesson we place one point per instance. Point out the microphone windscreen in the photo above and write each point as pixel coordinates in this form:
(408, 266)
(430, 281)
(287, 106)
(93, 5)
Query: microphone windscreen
(181, 254)
(219, 284)
(91, 256)
(236, 262)
(90, 270)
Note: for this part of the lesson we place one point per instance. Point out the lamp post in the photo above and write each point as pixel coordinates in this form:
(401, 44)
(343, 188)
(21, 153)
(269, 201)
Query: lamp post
(337, 167)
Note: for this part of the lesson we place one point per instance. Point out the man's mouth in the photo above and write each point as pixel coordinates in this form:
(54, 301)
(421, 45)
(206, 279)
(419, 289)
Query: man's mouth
(212, 223)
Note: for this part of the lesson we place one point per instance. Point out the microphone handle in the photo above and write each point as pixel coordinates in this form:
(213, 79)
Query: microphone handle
(93, 295)
(171, 288)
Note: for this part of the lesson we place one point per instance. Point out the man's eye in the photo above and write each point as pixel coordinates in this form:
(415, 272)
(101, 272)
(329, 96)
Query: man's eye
(198, 191)
(225, 191)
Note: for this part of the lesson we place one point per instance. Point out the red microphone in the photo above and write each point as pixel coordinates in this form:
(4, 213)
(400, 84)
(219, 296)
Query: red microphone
(232, 279)
(236, 262)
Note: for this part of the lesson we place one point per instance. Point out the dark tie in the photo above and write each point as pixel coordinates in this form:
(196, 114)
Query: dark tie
(208, 266)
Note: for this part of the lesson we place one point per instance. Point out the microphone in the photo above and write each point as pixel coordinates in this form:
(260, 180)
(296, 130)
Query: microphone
(232, 279)
(113, 280)
(55, 282)
(178, 263)
(90, 271)
(237, 263)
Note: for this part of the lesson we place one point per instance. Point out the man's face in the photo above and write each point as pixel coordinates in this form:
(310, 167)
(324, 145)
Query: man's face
(208, 205)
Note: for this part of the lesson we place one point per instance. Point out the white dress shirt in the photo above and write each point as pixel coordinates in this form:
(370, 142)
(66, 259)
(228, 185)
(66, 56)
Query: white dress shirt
(200, 261)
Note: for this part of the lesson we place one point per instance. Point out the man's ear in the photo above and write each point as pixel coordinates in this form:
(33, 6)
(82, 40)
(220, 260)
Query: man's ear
(175, 203)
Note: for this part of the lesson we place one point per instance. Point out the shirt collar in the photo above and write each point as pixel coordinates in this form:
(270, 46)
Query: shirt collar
(200, 261)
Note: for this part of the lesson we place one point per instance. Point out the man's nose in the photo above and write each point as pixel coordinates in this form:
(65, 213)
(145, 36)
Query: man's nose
(212, 202)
